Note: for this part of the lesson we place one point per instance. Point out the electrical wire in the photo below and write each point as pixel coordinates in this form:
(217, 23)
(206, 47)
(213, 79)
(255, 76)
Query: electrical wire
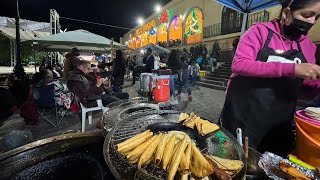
(100, 24)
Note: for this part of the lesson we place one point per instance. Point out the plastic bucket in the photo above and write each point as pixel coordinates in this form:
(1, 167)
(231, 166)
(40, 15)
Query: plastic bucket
(307, 125)
(161, 91)
(308, 142)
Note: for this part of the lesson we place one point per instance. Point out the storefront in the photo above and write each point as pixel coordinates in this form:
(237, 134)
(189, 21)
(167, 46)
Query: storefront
(169, 29)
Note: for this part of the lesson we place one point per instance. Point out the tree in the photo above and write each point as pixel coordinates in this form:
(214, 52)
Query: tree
(26, 52)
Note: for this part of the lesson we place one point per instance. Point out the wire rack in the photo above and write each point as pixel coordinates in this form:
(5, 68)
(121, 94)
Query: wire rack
(120, 109)
(137, 122)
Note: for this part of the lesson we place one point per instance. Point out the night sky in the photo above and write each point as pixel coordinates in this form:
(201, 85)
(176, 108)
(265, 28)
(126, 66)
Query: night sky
(113, 12)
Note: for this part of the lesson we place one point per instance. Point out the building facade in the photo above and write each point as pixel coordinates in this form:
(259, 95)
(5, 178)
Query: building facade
(183, 23)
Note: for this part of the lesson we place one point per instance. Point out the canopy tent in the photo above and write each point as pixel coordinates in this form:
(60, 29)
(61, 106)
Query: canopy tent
(248, 6)
(83, 40)
(25, 35)
(6, 22)
(155, 48)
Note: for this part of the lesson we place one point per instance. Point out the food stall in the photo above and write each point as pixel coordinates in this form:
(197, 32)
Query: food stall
(148, 141)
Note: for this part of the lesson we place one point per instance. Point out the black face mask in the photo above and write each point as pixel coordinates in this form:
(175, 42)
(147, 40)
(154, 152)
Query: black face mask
(297, 28)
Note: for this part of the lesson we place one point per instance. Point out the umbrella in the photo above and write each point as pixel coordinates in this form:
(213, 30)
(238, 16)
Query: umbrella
(155, 48)
(83, 40)
(248, 6)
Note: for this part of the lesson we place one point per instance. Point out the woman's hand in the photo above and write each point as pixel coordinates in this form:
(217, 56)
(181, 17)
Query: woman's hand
(99, 82)
(307, 71)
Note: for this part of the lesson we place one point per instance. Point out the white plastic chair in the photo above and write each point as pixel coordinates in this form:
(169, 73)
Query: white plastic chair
(85, 110)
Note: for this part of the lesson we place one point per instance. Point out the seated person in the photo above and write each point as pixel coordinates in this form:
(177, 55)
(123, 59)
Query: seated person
(62, 95)
(8, 105)
(89, 89)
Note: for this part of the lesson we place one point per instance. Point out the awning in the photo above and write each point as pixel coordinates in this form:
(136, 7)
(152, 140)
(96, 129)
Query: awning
(84, 40)
(247, 6)
(25, 35)
(155, 48)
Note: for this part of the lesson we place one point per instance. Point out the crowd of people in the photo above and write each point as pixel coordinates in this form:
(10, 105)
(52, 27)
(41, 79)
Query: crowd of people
(75, 82)
(171, 43)
(184, 66)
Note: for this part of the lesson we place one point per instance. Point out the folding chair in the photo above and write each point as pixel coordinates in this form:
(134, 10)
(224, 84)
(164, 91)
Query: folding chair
(46, 104)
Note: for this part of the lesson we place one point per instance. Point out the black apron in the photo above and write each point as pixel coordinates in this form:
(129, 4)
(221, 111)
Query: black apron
(264, 107)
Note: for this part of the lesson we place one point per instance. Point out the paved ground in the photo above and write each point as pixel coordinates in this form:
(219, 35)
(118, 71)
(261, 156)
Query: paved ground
(206, 103)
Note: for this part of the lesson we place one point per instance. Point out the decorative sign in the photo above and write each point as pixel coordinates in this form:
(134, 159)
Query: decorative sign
(166, 15)
(145, 27)
(193, 23)
(193, 26)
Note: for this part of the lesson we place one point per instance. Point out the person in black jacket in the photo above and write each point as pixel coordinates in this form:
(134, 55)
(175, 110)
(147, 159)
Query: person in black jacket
(149, 62)
(119, 70)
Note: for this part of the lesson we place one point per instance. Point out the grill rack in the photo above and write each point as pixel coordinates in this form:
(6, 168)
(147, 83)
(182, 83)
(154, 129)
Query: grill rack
(126, 129)
(136, 123)
(120, 109)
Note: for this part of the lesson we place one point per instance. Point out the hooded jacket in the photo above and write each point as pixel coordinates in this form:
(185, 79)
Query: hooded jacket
(245, 63)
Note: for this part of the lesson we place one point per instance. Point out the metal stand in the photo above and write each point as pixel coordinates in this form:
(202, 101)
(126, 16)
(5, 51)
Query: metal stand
(13, 52)
(18, 69)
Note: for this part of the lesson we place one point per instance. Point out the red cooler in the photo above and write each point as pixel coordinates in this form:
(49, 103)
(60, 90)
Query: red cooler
(161, 90)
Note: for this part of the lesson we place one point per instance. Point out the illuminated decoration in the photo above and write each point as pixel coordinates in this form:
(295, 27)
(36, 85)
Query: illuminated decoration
(162, 33)
(193, 26)
(145, 27)
(138, 43)
(175, 28)
(166, 15)
(144, 39)
(152, 31)
(153, 36)
(130, 36)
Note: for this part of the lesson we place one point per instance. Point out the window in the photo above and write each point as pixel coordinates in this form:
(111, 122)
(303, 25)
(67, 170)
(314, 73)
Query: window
(231, 21)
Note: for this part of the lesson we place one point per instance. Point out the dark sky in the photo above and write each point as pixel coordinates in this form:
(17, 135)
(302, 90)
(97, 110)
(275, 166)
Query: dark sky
(114, 12)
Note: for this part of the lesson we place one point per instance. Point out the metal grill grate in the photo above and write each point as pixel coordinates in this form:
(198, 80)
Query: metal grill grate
(120, 110)
(138, 122)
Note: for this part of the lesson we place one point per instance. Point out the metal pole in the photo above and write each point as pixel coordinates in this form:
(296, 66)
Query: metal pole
(18, 70)
(34, 59)
(244, 23)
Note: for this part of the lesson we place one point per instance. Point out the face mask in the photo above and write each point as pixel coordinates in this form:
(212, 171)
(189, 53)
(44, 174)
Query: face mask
(297, 28)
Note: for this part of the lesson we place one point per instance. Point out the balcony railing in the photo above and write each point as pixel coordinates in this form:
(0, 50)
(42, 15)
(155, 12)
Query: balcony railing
(235, 26)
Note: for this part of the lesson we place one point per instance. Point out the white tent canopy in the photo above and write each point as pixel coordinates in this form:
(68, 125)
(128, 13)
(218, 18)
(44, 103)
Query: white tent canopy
(25, 35)
(83, 40)
(155, 49)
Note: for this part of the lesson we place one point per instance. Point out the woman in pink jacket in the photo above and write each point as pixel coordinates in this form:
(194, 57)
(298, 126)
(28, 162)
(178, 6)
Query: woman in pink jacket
(272, 61)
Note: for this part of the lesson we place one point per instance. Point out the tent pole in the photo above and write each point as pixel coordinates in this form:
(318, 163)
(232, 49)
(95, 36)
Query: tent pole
(34, 59)
(112, 39)
(244, 23)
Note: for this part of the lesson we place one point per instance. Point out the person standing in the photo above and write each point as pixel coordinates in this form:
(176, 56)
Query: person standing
(149, 62)
(72, 60)
(185, 77)
(118, 72)
(173, 64)
(272, 61)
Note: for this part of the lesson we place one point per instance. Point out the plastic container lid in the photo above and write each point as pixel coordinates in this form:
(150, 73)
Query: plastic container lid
(301, 114)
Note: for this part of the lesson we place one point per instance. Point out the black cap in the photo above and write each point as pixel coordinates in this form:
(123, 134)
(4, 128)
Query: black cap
(75, 51)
